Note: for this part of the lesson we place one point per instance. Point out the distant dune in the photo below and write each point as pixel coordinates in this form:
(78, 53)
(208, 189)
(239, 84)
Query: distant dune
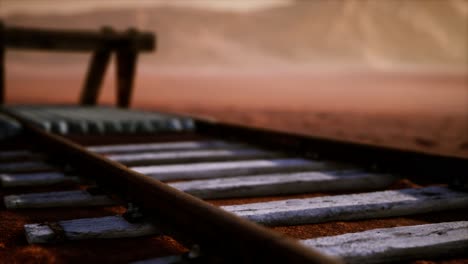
(389, 35)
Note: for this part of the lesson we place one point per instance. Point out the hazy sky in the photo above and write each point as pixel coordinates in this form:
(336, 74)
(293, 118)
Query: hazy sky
(8, 7)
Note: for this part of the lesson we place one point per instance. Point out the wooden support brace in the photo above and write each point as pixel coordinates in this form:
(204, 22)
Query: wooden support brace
(127, 45)
(126, 64)
(97, 68)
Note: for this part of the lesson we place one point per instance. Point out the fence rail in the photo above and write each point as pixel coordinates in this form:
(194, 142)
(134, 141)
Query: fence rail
(126, 45)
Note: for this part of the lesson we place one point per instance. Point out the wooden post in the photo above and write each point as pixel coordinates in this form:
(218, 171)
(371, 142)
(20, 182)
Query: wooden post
(126, 64)
(2, 63)
(97, 69)
(103, 43)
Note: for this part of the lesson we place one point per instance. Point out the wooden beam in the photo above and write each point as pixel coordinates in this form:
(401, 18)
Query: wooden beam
(207, 170)
(396, 244)
(177, 157)
(284, 183)
(97, 68)
(16, 155)
(70, 41)
(74, 198)
(127, 45)
(87, 228)
(349, 207)
(160, 147)
(25, 166)
(35, 179)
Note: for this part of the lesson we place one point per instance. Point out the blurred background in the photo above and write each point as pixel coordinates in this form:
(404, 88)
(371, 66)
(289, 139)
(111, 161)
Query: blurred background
(392, 73)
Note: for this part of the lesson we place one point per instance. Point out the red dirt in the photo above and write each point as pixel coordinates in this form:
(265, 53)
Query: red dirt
(423, 112)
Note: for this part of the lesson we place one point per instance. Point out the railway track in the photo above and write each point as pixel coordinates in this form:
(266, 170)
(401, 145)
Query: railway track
(87, 184)
(102, 184)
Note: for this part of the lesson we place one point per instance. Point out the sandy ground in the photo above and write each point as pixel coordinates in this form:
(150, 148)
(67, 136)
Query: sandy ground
(423, 112)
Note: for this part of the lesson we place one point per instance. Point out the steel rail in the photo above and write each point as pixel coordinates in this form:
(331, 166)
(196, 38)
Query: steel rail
(182, 216)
